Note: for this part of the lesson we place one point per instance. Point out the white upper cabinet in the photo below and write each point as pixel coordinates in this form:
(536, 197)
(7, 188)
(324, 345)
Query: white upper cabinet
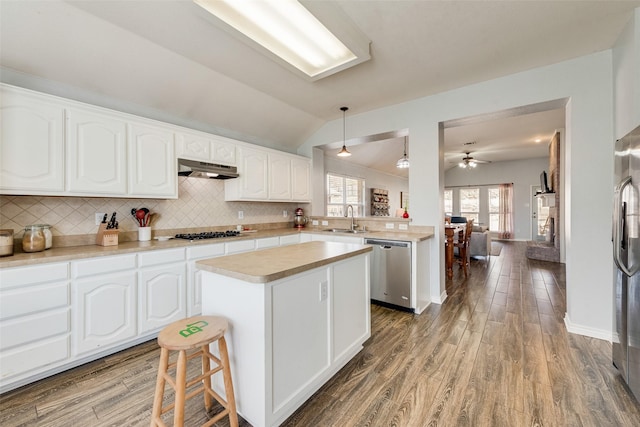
(206, 148)
(31, 144)
(53, 146)
(301, 179)
(253, 170)
(279, 177)
(193, 146)
(223, 151)
(96, 153)
(153, 169)
(269, 175)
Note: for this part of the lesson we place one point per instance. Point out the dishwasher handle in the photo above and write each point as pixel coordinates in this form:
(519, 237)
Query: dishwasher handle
(387, 244)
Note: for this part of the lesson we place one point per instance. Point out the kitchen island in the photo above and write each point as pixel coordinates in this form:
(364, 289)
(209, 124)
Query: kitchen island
(297, 314)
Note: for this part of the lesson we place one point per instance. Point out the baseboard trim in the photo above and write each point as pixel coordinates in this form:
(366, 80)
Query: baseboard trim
(587, 332)
(441, 299)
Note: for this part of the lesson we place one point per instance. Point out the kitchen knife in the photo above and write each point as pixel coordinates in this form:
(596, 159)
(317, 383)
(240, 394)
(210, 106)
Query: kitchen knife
(112, 221)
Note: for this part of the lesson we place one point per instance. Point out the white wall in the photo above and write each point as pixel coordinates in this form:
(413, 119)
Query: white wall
(626, 74)
(522, 173)
(373, 179)
(588, 84)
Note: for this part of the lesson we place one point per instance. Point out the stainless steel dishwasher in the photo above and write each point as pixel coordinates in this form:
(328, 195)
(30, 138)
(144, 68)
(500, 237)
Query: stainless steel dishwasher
(391, 273)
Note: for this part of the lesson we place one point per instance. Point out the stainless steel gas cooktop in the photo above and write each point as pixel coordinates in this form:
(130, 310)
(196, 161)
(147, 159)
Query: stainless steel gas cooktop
(208, 235)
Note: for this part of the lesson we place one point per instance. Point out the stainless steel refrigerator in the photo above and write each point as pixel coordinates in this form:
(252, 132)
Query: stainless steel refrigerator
(626, 256)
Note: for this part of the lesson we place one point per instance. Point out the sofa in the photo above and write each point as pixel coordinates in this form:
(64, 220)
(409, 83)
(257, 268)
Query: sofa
(480, 242)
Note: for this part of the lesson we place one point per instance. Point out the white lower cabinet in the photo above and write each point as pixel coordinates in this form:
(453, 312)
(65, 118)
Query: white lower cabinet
(105, 311)
(162, 289)
(335, 237)
(194, 275)
(239, 246)
(35, 324)
(291, 239)
(267, 242)
(104, 302)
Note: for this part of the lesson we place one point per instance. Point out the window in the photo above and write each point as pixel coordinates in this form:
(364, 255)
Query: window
(470, 203)
(448, 202)
(343, 191)
(494, 208)
(488, 205)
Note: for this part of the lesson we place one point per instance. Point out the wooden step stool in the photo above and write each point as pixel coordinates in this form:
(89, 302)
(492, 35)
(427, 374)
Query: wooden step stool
(187, 334)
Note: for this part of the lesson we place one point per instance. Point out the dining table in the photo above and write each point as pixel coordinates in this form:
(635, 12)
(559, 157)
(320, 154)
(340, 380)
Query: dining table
(450, 231)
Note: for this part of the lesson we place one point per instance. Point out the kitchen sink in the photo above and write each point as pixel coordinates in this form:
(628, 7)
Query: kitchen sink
(345, 230)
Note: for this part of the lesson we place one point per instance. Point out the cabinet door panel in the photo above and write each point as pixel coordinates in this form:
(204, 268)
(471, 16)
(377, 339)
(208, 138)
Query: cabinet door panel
(253, 174)
(300, 180)
(351, 307)
(194, 288)
(290, 239)
(105, 311)
(26, 329)
(152, 163)
(162, 296)
(279, 177)
(34, 357)
(96, 153)
(223, 152)
(300, 330)
(31, 144)
(26, 300)
(191, 146)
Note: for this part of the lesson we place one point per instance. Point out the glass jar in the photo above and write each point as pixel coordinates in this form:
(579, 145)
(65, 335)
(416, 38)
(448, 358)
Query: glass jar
(6, 242)
(48, 236)
(33, 239)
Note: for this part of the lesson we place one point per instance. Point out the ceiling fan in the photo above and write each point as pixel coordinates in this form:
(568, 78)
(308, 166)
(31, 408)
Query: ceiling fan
(470, 162)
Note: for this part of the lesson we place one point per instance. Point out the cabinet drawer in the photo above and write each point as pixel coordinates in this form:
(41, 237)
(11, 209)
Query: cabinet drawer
(267, 242)
(32, 299)
(289, 240)
(161, 257)
(241, 246)
(35, 356)
(19, 276)
(102, 265)
(205, 251)
(28, 329)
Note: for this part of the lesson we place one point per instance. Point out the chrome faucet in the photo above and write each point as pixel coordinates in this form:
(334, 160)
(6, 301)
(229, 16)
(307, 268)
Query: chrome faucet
(353, 224)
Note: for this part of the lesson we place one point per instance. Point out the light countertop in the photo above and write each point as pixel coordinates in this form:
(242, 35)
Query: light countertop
(72, 253)
(267, 265)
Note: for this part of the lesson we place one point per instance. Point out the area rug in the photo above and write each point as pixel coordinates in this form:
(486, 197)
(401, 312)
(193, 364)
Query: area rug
(496, 248)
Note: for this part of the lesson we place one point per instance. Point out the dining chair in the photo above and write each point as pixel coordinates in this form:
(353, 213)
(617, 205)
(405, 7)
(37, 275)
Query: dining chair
(463, 246)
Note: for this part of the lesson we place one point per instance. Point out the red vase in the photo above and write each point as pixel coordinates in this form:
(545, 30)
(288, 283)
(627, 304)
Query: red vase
(405, 214)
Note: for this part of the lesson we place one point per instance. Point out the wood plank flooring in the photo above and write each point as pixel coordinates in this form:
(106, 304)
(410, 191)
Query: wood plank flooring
(496, 353)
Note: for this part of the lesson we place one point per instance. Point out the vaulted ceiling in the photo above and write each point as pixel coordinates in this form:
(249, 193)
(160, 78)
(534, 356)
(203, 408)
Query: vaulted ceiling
(165, 59)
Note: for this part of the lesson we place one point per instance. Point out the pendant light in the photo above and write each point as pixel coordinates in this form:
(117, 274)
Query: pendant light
(344, 152)
(403, 163)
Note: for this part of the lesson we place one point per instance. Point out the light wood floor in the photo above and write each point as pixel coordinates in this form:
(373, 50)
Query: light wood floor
(496, 353)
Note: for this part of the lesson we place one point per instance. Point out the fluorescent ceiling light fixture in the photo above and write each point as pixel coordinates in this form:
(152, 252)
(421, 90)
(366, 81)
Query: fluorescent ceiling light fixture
(290, 31)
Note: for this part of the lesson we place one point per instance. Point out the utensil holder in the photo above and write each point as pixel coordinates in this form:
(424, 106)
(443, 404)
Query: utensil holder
(144, 234)
(106, 237)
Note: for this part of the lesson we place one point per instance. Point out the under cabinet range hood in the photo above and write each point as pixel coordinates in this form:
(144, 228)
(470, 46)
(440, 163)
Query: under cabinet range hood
(196, 169)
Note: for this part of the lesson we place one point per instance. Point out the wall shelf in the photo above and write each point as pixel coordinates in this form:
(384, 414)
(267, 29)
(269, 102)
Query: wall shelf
(548, 199)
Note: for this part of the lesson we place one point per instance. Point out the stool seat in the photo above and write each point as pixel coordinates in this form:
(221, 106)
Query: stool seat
(195, 334)
(192, 332)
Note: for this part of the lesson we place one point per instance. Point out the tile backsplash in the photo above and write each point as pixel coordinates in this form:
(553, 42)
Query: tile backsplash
(200, 204)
